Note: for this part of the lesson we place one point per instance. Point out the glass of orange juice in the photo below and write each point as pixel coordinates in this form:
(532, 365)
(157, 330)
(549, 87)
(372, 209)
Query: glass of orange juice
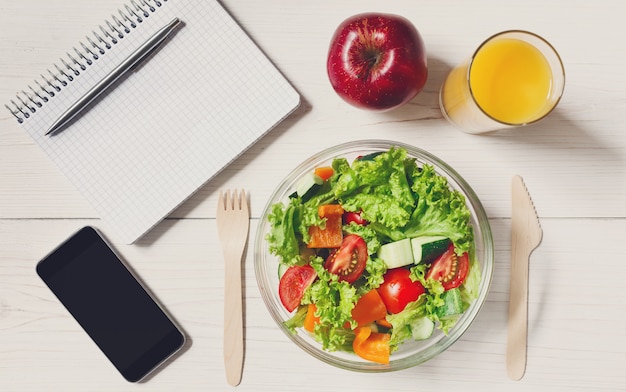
(514, 78)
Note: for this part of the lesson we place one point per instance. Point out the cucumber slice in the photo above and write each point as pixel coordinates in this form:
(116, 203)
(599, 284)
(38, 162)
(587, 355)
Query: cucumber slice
(427, 249)
(452, 305)
(308, 184)
(396, 254)
(422, 328)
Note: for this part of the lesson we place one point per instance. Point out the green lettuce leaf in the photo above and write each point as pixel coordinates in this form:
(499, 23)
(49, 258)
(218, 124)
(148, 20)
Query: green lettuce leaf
(403, 321)
(297, 320)
(334, 301)
(378, 187)
(471, 287)
(439, 210)
(282, 240)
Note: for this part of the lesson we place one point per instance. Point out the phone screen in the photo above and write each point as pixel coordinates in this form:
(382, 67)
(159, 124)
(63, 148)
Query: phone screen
(110, 304)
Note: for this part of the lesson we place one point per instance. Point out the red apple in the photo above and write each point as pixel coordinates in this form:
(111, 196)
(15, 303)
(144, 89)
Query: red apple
(377, 61)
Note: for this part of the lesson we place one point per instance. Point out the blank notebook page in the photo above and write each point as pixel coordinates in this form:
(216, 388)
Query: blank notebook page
(161, 132)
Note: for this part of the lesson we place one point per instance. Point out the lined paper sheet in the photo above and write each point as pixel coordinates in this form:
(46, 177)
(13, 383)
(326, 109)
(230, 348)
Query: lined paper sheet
(153, 139)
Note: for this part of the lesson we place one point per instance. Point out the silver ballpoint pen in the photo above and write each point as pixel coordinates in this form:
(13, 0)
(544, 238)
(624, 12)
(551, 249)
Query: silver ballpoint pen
(142, 52)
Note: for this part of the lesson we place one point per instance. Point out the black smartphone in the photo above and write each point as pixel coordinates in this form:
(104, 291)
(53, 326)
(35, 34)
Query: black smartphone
(110, 304)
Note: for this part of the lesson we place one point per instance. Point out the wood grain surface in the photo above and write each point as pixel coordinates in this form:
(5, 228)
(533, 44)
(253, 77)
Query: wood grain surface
(574, 162)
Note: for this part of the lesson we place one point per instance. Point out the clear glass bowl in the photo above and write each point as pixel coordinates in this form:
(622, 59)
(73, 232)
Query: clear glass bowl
(410, 353)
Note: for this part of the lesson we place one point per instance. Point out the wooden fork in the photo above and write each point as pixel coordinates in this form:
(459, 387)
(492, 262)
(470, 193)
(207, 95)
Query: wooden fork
(233, 221)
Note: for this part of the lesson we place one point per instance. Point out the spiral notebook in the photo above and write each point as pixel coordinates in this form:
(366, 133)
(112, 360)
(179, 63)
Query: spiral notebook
(161, 132)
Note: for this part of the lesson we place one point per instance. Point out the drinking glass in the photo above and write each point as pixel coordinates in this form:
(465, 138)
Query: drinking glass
(514, 78)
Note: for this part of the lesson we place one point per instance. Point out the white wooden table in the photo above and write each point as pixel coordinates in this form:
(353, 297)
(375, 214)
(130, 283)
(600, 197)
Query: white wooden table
(574, 164)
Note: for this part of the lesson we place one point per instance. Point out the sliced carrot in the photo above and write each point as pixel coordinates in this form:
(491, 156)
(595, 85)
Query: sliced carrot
(369, 308)
(372, 346)
(311, 319)
(331, 235)
(324, 172)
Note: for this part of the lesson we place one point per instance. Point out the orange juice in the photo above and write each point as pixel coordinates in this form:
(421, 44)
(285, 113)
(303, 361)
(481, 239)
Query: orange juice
(511, 80)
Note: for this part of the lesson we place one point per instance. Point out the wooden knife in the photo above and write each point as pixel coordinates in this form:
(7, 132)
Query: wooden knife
(526, 235)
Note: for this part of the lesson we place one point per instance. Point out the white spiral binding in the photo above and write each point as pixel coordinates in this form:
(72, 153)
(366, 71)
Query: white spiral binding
(72, 65)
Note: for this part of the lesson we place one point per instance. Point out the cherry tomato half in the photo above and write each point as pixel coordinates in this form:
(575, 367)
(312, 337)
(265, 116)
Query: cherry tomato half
(450, 269)
(293, 283)
(349, 217)
(349, 260)
(398, 290)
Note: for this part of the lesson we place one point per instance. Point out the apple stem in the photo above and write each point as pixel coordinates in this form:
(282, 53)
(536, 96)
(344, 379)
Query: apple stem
(371, 58)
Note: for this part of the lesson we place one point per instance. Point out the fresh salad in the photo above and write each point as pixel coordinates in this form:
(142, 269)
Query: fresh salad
(374, 253)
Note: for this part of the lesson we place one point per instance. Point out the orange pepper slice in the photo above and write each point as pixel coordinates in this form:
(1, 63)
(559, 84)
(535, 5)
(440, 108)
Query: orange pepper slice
(369, 308)
(372, 346)
(331, 235)
(311, 319)
(324, 172)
